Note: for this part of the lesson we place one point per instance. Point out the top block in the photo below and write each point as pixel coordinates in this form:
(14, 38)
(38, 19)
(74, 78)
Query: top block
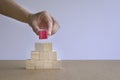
(43, 47)
(43, 34)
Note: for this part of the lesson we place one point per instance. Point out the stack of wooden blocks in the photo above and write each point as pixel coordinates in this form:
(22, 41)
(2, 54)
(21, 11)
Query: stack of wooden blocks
(43, 57)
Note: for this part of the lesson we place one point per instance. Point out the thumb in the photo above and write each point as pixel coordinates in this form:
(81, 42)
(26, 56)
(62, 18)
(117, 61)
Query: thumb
(36, 29)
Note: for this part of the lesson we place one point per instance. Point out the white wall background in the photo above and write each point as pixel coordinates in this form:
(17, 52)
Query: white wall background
(90, 29)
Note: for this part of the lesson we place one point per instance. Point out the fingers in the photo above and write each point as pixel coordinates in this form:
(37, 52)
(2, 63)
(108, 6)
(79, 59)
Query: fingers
(50, 27)
(56, 26)
(43, 20)
(48, 22)
(36, 29)
(52, 24)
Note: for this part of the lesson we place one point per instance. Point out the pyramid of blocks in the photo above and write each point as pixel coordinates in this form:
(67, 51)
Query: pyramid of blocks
(43, 57)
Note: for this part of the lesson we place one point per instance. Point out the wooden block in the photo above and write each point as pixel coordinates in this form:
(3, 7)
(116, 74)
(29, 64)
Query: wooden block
(44, 55)
(30, 64)
(35, 52)
(43, 64)
(35, 55)
(38, 47)
(48, 47)
(43, 34)
(48, 55)
(43, 47)
(30, 67)
(39, 64)
(47, 64)
(53, 55)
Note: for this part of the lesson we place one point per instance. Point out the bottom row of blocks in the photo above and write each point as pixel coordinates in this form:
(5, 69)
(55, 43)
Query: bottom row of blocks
(31, 64)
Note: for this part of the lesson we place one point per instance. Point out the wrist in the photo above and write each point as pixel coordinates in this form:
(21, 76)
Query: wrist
(29, 18)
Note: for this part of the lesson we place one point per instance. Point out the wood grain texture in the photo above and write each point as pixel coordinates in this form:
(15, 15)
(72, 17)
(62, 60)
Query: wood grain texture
(71, 70)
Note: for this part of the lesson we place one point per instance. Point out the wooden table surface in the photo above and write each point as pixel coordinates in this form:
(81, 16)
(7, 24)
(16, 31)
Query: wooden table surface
(72, 70)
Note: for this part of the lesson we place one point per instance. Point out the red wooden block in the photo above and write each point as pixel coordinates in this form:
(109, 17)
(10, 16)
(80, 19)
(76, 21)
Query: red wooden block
(43, 34)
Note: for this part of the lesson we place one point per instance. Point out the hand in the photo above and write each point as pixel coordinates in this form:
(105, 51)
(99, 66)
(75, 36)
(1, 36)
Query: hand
(43, 20)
